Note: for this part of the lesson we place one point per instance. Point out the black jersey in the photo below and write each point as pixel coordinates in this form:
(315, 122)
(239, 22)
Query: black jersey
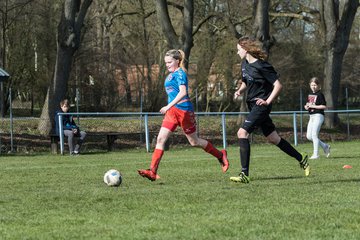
(259, 78)
(316, 98)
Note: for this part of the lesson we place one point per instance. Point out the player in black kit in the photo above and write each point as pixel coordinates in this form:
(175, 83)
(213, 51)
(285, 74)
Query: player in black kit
(262, 83)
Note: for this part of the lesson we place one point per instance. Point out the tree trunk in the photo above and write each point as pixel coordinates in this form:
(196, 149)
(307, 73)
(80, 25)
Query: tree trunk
(185, 41)
(261, 23)
(336, 29)
(69, 31)
(187, 34)
(332, 73)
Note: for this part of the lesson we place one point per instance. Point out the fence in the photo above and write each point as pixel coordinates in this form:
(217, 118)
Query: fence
(138, 130)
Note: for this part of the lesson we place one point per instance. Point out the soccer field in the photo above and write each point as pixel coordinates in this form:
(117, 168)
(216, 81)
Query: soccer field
(63, 197)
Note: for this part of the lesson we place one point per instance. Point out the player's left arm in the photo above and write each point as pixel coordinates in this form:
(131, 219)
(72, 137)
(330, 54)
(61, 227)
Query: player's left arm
(320, 107)
(275, 92)
(182, 93)
(320, 103)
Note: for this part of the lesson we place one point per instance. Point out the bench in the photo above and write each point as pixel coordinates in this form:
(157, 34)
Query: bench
(110, 139)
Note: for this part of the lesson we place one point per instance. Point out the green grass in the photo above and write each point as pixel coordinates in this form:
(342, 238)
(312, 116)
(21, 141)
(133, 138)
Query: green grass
(63, 197)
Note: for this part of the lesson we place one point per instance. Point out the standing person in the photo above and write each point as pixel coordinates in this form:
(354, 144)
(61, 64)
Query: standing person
(316, 105)
(70, 128)
(262, 83)
(179, 112)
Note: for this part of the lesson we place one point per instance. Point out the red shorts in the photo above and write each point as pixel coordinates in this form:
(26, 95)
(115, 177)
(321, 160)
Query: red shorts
(175, 117)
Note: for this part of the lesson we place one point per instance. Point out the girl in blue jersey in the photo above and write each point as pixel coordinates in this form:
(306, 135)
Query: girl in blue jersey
(179, 112)
(316, 105)
(262, 84)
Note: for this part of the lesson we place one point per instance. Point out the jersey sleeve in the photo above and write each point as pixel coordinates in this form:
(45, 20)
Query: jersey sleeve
(320, 99)
(181, 78)
(269, 72)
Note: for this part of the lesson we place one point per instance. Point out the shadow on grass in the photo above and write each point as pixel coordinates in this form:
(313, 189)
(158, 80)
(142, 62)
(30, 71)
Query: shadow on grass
(278, 178)
(313, 182)
(340, 180)
(342, 157)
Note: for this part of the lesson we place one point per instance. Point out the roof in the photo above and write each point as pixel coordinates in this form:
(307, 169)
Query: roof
(3, 75)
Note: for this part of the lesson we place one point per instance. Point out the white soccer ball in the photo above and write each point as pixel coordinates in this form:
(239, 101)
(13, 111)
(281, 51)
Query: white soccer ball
(113, 178)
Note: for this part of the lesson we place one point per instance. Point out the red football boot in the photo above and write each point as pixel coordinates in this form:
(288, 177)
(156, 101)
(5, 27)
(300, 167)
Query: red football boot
(148, 174)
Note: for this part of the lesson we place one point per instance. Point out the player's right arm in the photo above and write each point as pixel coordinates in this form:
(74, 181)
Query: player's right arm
(240, 90)
(182, 93)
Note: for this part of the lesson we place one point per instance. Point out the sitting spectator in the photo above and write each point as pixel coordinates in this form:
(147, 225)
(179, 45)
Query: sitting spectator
(70, 128)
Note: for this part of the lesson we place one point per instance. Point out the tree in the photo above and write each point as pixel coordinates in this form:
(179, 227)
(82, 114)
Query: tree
(334, 21)
(119, 36)
(214, 18)
(185, 40)
(261, 29)
(68, 42)
(206, 40)
(10, 12)
(336, 28)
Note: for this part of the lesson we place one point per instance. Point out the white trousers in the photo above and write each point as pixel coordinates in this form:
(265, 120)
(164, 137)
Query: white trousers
(312, 133)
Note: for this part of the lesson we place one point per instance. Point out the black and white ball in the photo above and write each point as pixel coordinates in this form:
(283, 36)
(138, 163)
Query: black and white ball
(113, 178)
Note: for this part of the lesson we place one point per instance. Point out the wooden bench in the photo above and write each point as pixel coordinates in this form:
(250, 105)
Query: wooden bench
(110, 139)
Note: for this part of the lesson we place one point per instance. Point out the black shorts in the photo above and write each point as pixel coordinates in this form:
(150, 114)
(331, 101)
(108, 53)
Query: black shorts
(259, 116)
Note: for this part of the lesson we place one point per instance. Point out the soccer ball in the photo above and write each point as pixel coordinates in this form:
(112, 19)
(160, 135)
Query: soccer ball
(113, 178)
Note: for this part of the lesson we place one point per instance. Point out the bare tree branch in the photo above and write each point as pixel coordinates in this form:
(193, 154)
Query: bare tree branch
(291, 15)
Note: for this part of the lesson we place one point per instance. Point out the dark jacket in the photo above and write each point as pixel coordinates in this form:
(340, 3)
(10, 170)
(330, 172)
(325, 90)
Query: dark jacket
(68, 122)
